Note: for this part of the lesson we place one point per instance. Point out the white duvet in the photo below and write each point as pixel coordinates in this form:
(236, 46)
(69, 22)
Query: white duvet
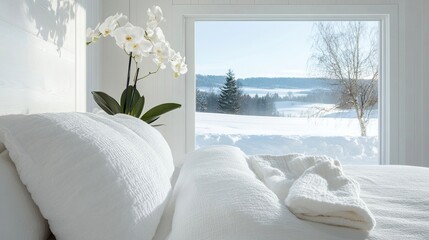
(217, 196)
(314, 188)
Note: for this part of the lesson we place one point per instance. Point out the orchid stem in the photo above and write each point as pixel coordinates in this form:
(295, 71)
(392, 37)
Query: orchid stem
(129, 68)
(145, 76)
(134, 89)
(128, 81)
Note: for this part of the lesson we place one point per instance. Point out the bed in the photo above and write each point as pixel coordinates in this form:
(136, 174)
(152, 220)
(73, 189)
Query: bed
(217, 197)
(112, 177)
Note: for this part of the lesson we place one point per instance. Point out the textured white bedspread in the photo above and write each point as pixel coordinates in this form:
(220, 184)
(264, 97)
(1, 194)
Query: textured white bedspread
(217, 197)
(398, 196)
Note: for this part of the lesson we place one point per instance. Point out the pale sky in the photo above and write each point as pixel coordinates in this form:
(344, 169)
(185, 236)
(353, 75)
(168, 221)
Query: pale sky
(253, 48)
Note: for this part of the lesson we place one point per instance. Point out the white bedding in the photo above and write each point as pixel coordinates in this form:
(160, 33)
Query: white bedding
(217, 196)
(92, 176)
(398, 196)
(314, 188)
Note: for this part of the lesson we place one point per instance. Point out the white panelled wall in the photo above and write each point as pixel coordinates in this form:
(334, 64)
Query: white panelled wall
(412, 113)
(424, 95)
(43, 56)
(38, 56)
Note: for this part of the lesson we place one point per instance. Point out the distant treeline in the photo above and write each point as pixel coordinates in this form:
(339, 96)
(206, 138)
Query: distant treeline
(321, 89)
(249, 105)
(212, 81)
(220, 94)
(316, 95)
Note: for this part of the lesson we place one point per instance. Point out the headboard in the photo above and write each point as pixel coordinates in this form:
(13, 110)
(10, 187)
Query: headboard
(37, 56)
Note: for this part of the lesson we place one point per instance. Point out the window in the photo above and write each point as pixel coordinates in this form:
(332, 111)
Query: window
(278, 87)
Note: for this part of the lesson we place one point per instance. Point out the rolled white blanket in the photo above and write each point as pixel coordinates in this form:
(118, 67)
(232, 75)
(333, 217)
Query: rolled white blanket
(314, 188)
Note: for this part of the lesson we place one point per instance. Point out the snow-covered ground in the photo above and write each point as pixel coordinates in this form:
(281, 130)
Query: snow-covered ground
(301, 109)
(311, 109)
(335, 137)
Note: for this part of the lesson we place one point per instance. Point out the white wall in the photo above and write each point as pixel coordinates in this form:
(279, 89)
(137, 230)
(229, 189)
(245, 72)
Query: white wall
(424, 88)
(412, 111)
(90, 58)
(37, 56)
(42, 55)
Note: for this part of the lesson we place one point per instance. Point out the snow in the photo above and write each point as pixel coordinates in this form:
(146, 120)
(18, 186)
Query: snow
(312, 109)
(301, 109)
(305, 127)
(351, 113)
(214, 123)
(335, 137)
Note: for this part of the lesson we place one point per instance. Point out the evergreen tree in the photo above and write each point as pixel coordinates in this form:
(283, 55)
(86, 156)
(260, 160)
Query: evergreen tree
(229, 98)
(201, 100)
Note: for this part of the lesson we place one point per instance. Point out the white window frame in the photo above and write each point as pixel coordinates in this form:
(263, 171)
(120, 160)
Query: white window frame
(388, 86)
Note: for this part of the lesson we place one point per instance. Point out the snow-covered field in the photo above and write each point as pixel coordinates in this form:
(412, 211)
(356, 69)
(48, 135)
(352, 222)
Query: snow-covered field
(335, 137)
(311, 109)
(301, 109)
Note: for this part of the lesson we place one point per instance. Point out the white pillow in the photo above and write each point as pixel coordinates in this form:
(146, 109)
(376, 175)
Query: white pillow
(92, 176)
(20, 218)
(150, 135)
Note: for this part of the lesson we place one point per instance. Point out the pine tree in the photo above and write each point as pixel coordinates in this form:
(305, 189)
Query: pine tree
(201, 100)
(229, 98)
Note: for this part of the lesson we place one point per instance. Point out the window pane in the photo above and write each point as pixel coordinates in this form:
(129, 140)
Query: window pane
(279, 87)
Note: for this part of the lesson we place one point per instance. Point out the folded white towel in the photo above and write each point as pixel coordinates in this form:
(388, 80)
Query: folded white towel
(314, 188)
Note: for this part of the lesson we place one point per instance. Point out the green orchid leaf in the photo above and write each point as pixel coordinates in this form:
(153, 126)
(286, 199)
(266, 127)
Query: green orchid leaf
(152, 120)
(138, 107)
(128, 92)
(106, 102)
(154, 113)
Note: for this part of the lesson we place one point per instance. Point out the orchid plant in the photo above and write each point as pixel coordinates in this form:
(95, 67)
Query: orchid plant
(138, 43)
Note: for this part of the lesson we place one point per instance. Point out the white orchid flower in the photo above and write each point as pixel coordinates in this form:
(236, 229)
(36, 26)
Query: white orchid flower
(142, 47)
(155, 35)
(163, 53)
(111, 23)
(130, 37)
(178, 65)
(151, 25)
(155, 17)
(121, 34)
(159, 63)
(93, 34)
(180, 68)
(139, 43)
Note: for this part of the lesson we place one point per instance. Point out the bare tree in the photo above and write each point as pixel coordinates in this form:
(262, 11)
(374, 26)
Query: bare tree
(348, 52)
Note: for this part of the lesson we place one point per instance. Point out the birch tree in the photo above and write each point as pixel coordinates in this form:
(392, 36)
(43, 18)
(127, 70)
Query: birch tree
(348, 52)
